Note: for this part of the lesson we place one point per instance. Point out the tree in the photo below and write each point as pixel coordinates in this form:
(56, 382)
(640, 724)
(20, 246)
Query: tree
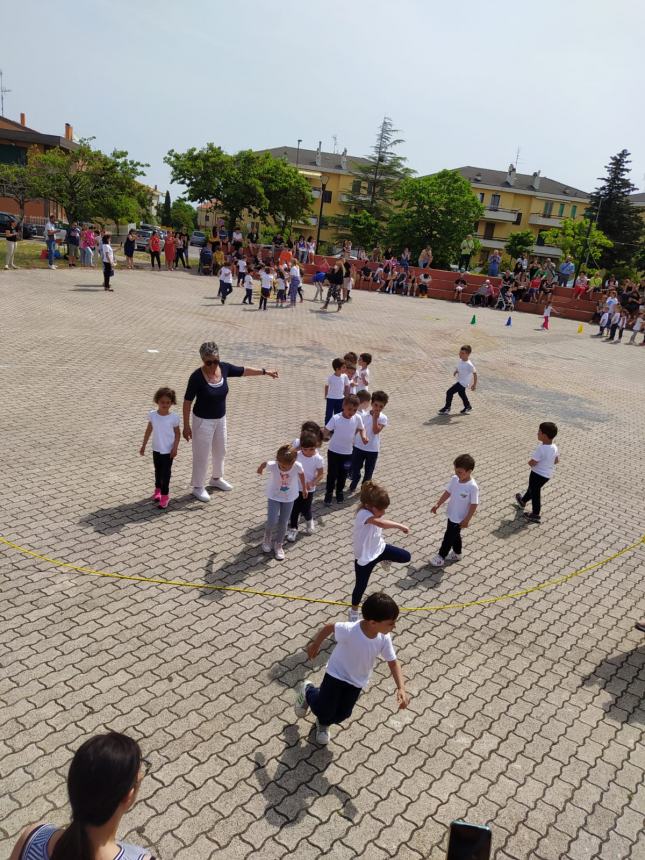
(437, 210)
(231, 182)
(15, 183)
(166, 212)
(375, 185)
(519, 243)
(183, 216)
(287, 191)
(614, 214)
(579, 239)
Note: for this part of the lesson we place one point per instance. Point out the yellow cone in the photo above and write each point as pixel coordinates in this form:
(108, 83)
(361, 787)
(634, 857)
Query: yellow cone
(580, 328)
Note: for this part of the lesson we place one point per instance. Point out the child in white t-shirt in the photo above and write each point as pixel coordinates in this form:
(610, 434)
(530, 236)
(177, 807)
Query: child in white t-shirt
(466, 374)
(242, 267)
(267, 280)
(543, 462)
(341, 429)
(604, 323)
(546, 316)
(636, 327)
(462, 494)
(375, 422)
(225, 282)
(359, 645)
(361, 378)
(336, 388)
(286, 479)
(313, 467)
(369, 546)
(163, 426)
(248, 287)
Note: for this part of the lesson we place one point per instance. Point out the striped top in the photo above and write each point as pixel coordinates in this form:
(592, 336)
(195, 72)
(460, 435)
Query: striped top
(36, 846)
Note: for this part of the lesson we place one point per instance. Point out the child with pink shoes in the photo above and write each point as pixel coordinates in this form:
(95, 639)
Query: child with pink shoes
(163, 426)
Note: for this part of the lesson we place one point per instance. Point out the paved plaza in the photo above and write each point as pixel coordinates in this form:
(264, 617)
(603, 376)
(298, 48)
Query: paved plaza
(526, 712)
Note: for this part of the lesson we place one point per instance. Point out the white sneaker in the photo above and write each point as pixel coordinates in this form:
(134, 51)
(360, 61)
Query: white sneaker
(301, 707)
(291, 535)
(7, 267)
(201, 494)
(453, 556)
(322, 734)
(437, 561)
(266, 547)
(220, 484)
(53, 267)
(278, 551)
(354, 615)
(310, 527)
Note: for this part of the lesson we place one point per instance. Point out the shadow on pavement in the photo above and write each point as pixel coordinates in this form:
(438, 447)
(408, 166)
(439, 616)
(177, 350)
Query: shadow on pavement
(618, 675)
(235, 570)
(513, 525)
(426, 575)
(288, 793)
(108, 521)
(296, 667)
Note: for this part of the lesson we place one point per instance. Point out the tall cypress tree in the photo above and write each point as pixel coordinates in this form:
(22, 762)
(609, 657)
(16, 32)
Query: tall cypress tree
(166, 213)
(616, 216)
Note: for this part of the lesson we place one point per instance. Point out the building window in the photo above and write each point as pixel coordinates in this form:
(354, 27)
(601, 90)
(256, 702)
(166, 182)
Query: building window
(548, 208)
(481, 196)
(574, 209)
(489, 230)
(207, 218)
(356, 186)
(326, 196)
(518, 218)
(561, 210)
(494, 201)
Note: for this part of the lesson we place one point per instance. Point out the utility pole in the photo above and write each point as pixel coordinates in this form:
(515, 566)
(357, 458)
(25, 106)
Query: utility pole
(3, 90)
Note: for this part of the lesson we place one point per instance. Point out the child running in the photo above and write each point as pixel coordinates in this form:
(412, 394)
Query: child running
(163, 426)
(543, 462)
(359, 645)
(248, 287)
(336, 388)
(462, 494)
(313, 467)
(286, 475)
(266, 285)
(466, 374)
(341, 429)
(369, 546)
(375, 422)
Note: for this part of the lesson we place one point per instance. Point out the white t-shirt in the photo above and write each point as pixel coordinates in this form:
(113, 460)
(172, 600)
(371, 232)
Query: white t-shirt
(310, 465)
(163, 431)
(362, 379)
(368, 539)
(337, 385)
(354, 657)
(548, 310)
(465, 370)
(344, 430)
(248, 282)
(546, 455)
(266, 279)
(462, 496)
(241, 265)
(294, 272)
(226, 275)
(107, 254)
(610, 302)
(374, 443)
(283, 486)
(638, 324)
(615, 318)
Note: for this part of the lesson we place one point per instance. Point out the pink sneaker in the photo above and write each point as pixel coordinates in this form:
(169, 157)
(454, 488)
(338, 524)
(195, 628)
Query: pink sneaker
(163, 501)
(157, 494)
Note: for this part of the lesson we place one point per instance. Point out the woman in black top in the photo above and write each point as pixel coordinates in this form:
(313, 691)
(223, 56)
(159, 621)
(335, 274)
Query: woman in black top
(11, 235)
(128, 249)
(335, 280)
(208, 387)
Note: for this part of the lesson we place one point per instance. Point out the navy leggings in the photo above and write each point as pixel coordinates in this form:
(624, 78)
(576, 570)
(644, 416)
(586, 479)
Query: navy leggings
(332, 407)
(360, 458)
(364, 571)
(333, 701)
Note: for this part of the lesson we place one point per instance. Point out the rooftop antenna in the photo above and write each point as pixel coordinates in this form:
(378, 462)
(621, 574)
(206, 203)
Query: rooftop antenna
(335, 139)
(517, 157)
(3, 90)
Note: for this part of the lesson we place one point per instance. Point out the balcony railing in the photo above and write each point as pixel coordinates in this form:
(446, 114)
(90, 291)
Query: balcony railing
(498, 213)
(539, 219)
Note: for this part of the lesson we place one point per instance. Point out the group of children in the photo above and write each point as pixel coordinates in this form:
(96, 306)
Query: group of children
(614, 319)
(354, 422)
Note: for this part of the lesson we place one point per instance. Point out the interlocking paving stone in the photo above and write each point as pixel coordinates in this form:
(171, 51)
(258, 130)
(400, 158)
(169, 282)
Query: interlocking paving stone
(526, 714)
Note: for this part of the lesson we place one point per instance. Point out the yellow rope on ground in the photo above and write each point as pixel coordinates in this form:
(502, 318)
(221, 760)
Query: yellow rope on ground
(204, 586)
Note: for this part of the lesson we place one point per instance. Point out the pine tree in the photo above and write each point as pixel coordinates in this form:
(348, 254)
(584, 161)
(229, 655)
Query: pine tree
(166, 213)
(616, 216)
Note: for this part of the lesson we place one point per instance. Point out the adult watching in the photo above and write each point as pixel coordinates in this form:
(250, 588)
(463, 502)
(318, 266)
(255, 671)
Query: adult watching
(102, 784)
(208, 387)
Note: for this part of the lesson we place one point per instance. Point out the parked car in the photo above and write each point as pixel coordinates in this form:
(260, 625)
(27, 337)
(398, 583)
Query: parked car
(143, 237)
(198, 238)
(6, 219)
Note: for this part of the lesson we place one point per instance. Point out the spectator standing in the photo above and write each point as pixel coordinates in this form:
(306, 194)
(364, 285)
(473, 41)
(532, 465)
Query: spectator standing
(169, 250)
(88, 241)
(11, 235)
(311, 249)
(425, 258)
(181, 246)
(565, 271)
(128, 249)
(50, 240)
(154, 246)
(494, 262)
(73, 241)
(253, 240)
(467, 248)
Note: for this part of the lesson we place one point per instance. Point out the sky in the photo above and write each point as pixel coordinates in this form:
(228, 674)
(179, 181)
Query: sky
(467, 82)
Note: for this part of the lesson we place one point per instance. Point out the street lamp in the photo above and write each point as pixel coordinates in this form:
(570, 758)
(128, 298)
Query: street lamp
(323, 184)
(298, 152)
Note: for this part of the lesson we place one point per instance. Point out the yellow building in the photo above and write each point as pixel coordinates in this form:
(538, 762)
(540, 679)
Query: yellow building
(329, 173)
(520, 201)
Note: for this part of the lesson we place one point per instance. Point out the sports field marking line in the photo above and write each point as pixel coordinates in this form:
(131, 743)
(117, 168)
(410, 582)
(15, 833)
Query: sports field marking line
(204, 586)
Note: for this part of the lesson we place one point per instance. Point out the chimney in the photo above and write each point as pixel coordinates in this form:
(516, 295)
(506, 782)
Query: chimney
(319, 154)
(510, 174)
(69, 132)
(23, 119)
(478, 176)
(343, 159)
(535, 183)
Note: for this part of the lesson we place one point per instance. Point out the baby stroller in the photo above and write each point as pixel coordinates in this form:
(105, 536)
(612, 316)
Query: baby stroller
(505, 301)
(205, 266)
